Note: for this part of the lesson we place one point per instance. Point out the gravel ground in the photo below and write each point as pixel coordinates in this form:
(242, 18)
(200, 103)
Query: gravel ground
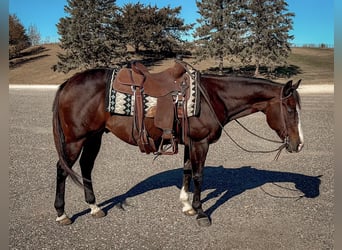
(254, 202)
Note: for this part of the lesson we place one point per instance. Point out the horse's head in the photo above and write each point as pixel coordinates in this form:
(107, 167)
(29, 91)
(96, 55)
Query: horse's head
(283, 116)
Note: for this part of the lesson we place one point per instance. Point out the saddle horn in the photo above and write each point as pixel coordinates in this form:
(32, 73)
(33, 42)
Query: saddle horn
(186, 66)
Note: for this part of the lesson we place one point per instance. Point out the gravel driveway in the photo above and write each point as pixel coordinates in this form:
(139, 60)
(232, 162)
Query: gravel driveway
(254, 202)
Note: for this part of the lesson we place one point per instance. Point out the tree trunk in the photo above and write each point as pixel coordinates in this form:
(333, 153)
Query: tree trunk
(136, 48)
(221, 65)
(256, 72)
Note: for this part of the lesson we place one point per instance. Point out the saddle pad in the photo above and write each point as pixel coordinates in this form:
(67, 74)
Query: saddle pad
(193, 104)
(118, 103)
(123, 104)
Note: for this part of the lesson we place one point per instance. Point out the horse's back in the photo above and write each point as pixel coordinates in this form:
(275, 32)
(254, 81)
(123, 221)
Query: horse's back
(93, 79)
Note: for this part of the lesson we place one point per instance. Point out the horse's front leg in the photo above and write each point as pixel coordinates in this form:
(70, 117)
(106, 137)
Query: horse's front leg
(184, 194)
(198, 154)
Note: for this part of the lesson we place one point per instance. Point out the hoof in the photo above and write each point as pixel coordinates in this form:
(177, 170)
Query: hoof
(99, 214)
(203, 221)
(64, 221)
(190, 212)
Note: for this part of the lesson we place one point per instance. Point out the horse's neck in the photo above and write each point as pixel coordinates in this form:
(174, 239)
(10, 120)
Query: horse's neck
(241, 98)
(252, 99)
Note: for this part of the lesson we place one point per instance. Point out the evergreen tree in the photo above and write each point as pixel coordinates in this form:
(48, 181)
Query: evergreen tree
(133, 21)
(90, 35)
(158, 30)
(221, 31)
(167, 30)
(269, 23)
(18, 39)
(244, 31)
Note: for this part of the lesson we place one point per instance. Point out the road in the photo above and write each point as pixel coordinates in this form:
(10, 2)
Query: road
(254, 202)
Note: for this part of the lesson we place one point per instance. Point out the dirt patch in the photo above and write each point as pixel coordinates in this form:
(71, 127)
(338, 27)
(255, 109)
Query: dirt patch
(317, 65)
(34, 66)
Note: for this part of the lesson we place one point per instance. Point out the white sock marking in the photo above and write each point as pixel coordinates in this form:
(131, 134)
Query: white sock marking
(62, 217)
(184, 198)
(94, 208)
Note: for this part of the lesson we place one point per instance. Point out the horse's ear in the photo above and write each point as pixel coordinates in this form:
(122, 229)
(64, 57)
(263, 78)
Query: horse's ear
(295, 86)
(287, 88)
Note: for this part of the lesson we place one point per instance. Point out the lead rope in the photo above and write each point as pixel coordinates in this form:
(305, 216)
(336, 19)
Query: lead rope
(279, 149)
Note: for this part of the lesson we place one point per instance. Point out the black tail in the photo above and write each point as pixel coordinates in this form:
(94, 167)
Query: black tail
(60, 140)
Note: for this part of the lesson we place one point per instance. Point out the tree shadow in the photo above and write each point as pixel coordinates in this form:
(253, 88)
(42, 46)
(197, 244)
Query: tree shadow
(148, 62)
(155, 58)
(278, 72)
(20, 61)
(227, 181)
(28, 55)
(34, 50)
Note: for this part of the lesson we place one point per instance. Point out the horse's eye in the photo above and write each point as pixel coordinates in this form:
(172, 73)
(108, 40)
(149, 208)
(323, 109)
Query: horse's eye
(289, 110)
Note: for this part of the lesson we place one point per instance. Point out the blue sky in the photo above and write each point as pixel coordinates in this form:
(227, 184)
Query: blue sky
(313, 23)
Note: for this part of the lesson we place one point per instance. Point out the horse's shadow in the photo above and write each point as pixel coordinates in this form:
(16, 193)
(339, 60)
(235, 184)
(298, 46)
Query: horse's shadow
(227, 182)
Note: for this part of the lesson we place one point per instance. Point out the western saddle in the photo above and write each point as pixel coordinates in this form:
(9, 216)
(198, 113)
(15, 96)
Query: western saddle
(170, 87)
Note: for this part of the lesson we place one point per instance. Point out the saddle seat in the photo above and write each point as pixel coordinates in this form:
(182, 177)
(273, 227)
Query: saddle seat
(165, 86)
(154, 84)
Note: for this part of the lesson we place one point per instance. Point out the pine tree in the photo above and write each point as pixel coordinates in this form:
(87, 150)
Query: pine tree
(18, 39)
(269, 23)
(90, 35)
(221, 30)
(154, 29)
(132, 19)
(167, 30)
(244, 31)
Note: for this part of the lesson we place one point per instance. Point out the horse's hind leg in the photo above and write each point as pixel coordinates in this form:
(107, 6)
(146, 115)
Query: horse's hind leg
(90, 151)
(62, 218)
(72, 150)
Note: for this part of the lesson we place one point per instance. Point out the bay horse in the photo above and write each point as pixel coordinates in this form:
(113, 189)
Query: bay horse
(80, 119)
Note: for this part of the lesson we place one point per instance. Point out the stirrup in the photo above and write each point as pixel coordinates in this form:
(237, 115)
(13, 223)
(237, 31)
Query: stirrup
(168, 149)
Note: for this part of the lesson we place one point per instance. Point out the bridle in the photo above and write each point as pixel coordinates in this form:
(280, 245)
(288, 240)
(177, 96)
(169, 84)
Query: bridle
(284, 143)
(282, 103)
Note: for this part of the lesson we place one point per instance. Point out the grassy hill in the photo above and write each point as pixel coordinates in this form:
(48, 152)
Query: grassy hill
(313, 65)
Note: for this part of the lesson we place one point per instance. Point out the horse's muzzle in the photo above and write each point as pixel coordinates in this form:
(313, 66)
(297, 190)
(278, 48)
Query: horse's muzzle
(295, 147)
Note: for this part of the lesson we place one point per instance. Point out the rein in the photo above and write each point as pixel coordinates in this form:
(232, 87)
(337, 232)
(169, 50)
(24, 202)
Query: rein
(251, 132)
(279, 149)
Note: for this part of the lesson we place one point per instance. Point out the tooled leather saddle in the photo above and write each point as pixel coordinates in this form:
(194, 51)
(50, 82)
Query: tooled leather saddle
(170, 87)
